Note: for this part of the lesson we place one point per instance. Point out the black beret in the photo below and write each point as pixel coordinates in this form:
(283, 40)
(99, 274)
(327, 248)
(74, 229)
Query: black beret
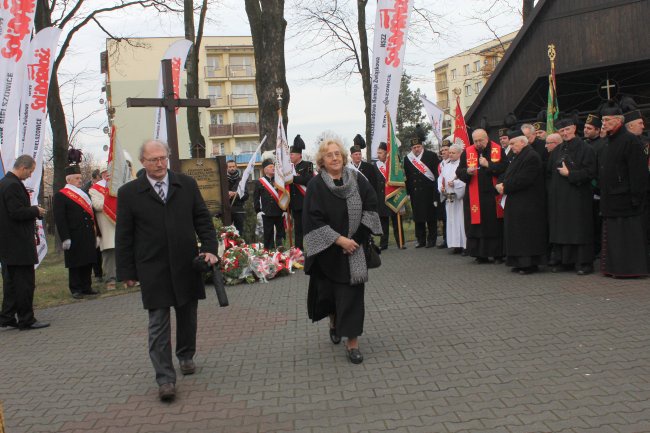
(610, 108)
(355, 149)
(594, 120)
(72, 169)
(539, 126)
(267, 162)
(298, 145)
(515, 132)
(503, 132)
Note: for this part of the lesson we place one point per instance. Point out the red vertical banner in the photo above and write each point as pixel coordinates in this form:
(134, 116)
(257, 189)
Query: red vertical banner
(460, 128)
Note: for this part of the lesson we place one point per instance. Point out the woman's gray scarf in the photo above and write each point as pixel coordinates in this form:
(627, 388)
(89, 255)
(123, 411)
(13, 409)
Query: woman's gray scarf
(350, 192)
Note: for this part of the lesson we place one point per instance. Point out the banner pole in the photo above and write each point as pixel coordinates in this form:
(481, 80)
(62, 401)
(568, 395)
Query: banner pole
(399, 230)
(290, 228)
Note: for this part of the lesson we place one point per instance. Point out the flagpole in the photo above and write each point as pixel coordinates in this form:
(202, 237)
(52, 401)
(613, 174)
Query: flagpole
(278, 90)
(399, 230)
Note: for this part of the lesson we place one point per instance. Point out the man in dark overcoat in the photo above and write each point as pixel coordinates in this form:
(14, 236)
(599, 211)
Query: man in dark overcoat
(18, 247)
(159, 217)
(385, 213)
(236, 202)
(570, 169)
(421, 170)
(75, 223)
(266, 199)
(524, 223)
(357, 162)
(304, 171)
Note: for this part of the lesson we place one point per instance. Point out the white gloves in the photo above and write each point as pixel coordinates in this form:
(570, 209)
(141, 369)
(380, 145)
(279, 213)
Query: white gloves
(97, 241)
(66, 244)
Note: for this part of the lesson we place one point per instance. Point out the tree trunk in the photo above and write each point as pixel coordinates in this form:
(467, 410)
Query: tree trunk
(56, 114)
(527, 9)
(365, 69)
(268, 27)
(197, 141)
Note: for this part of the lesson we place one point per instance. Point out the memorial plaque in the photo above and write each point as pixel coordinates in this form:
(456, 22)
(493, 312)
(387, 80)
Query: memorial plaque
(206, 173)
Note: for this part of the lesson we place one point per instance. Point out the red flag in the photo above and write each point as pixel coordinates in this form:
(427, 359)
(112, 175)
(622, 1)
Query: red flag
(460, 129)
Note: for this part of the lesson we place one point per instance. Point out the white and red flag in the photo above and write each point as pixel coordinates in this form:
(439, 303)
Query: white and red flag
(177, 52)
(283, 166)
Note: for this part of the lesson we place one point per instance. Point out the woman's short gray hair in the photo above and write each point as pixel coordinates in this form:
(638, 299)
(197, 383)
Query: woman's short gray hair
(458, 147)
(155, 142)
(325, 141)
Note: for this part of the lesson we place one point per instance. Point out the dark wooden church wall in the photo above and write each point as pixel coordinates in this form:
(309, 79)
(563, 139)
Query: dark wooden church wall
(587, 34)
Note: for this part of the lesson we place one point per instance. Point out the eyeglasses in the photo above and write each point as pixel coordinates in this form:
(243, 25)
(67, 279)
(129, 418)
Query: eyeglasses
(332, 155)
(160, 159)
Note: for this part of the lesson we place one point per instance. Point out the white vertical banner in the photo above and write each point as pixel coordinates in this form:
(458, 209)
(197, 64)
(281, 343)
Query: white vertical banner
(177, 52)
(33, 111)
(16, 23)
(283, 167)
(241, 188)
(387, 63)
(435, 115)
(118, 166)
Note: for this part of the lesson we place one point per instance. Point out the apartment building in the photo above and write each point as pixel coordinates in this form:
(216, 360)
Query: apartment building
(464, 75)
(226, 76)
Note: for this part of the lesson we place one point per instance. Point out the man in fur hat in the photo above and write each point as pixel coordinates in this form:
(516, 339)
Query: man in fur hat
(357, 163)
(303, 172)
(75, 223)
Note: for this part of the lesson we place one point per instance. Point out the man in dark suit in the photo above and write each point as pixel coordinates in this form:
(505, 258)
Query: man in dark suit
(18, 247)
(421, 170)
(357, 163)
(266, 199)
(159, 217)
(304, 171)
(75, 222)
(236, 202)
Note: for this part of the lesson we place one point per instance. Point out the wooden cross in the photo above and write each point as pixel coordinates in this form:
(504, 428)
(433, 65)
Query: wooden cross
(170, 102)
(609, 86)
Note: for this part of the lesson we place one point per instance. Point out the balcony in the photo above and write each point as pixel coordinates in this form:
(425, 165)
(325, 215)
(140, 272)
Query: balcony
(215, 72)
(220, 130)
(218, 101)
(244, 158)
(444, 104)
(241, 71)
(245, 128)
(243, 100)
(441, 85)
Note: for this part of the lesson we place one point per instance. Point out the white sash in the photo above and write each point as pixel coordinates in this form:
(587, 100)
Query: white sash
(382, 168)
(270, 188)
(422, 168)
(80, 192)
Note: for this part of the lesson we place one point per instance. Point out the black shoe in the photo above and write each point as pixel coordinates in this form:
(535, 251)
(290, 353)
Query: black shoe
(528, 270)
(167, 392)
(355, 356)
(77, 295)
(187, 367)
(498, 261)
(335, 338)
(35, 325)
(482, 260)
(431, 244)
(419, 245)
(385, 247)
(90, 293)
(10, 324)
(464, 253)
(442, 246)
(585, 270)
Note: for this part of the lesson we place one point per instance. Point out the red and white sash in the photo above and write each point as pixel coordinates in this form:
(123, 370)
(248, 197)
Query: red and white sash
(474, 196)
(271, 189)
(79, 197)
(301, 188)
(422, 168)
(382, 169)
(110, 202)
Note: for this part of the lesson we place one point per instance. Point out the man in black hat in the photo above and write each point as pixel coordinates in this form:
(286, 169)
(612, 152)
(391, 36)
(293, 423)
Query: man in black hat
(540, 130)
(303, 172)
(504, 141)
(386, 213)
(592, 137)
(421, 170)
(570, 169)
(75, 223)
(237, 203)
(358, 164)
(623, 178)
(266, 199)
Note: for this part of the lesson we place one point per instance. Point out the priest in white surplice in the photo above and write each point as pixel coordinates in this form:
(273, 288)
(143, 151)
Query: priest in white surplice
(452, 191)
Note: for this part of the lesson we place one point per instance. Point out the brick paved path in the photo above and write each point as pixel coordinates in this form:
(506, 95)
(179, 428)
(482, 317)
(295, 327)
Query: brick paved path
(455, 347)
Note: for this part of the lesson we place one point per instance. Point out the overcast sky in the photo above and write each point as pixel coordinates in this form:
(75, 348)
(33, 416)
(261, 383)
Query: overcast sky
(315, 105)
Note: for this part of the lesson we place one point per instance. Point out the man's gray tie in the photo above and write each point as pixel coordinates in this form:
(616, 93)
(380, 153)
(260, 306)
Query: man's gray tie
(161, 191)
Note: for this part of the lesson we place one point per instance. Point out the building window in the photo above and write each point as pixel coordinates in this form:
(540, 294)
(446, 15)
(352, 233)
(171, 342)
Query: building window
(468, 90)
(217, 149)
(477, 87)
(477, 66)
(213, 61)
(466, 69)
(246, 117)
(241, 61)
(454, 74)
(214, 91)
(216, 119)
(242, 89)
(247, 146)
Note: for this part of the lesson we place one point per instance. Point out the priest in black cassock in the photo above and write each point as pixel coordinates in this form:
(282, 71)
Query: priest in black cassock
(339, 216)
(421, 170)
(623, 177)
(303, 172)
(480, 167)
(357, 162)
(525, 225)
(570, 169)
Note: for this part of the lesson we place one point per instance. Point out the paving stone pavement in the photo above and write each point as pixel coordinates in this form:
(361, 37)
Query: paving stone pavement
(449, 346)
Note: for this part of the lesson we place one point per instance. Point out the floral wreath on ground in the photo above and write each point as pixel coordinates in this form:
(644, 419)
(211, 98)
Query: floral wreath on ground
(248, 263)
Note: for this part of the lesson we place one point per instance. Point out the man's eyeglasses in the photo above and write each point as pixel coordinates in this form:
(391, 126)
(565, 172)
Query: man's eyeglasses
(160, 159)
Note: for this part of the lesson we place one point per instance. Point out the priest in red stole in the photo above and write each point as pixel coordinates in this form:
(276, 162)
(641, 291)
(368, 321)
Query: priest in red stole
(480, 166)
(75, 223)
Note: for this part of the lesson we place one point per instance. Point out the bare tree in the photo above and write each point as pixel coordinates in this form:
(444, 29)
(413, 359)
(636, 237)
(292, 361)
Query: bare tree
(268, 26)
(72, 17)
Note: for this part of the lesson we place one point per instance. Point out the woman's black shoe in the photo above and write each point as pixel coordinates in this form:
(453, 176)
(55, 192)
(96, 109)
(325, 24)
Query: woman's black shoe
(335, 338)
(355, 356)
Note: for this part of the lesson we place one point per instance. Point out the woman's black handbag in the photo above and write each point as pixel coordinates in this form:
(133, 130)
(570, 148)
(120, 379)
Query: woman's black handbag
(372, 255)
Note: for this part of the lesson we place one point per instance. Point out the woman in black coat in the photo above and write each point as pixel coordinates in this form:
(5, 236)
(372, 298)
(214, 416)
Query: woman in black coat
(339, 215)
(525, 224)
